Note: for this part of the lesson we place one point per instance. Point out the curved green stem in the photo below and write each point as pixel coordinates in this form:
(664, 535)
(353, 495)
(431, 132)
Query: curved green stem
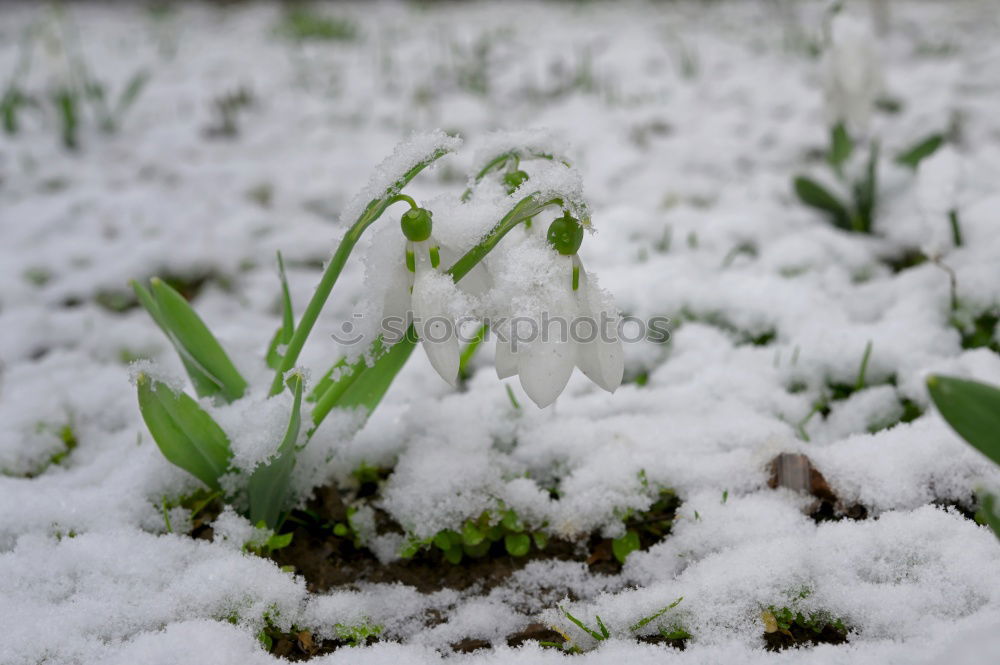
(500, 160)
(372, 212)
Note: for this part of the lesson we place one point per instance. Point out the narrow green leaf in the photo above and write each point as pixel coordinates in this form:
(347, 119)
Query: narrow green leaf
(193, 340)
(593, 633)
(972, 409)
(362, 385)
(816, 196)
(326, 381)
(185, 434)
(865, 194)
(604, 629)
(641, 623)
(841, 147)
(204, 383)
(517, 544)
(268, 485)
(283, 335)
(920, 151)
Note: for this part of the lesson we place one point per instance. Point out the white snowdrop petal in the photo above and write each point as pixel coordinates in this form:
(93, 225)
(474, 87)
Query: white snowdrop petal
(545, 369)
(435, 328)
(396, 302)
(444, 355)
(603, 362)
(600, 354)
(505, 360)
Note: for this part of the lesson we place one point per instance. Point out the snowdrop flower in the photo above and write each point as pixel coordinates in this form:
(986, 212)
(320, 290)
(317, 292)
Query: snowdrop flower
(582, 310)
(423, 290)
(853, 77)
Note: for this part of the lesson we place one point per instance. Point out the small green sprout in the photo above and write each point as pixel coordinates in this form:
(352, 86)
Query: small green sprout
(600, 634)
(624, 545)
(358, 635)
(642, 623)
(269, 545)
(477, 537)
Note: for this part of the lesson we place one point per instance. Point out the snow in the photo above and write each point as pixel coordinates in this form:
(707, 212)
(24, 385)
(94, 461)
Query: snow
(685, 123)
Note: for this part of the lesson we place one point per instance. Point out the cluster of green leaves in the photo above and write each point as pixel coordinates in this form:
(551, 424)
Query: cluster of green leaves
(643, 528)
(972, 408)
(477, 536)
(188, 436)
(977, 330)
(69, 99)
(358, 634)
(272, 543)
(185, 433)
(784, 619)
(856, 212)
(835, 392)
(67, 437)
(600, 633)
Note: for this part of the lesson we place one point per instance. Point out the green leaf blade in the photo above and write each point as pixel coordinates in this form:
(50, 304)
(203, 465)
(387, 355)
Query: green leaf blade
(185, 434)
(972, 409)
(814, 195)
(195, 342)
(920, 151)
(517, 544)
(269, 483)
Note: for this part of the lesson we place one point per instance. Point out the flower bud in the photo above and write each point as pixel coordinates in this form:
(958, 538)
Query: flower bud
(416, 224)
(565, 234)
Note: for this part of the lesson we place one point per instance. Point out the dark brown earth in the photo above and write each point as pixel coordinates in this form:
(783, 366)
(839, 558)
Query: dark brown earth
(327, 561)
(797, 636)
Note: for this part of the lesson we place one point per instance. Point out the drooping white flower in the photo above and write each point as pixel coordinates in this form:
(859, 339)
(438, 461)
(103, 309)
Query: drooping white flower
(853, 74)
(420, 292)
(579, 330)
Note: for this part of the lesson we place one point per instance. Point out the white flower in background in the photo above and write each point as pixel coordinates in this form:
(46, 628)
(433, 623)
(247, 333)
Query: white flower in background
(938, 181)
(545, 362)
(853, 76)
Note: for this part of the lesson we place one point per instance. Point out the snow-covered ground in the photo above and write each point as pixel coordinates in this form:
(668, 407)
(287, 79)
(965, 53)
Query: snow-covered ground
(687, 121)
